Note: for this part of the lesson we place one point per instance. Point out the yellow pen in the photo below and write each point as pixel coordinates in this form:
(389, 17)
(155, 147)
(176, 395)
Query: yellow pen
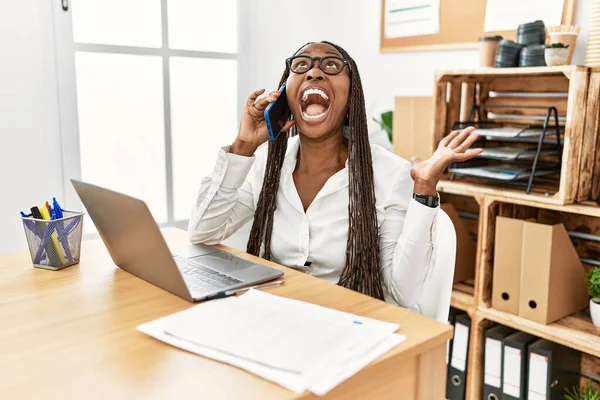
(54, 237)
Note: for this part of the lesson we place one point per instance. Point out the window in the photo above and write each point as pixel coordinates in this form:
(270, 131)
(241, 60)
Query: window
(155, 84)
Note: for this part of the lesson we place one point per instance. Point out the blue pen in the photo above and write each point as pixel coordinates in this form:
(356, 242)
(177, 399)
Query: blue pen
(57, 213)
(57, 209)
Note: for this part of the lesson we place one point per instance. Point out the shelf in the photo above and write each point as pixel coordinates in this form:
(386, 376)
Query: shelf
(515, 196)
(461, 298)
(480, 188)
(575, 331)
(561, 69)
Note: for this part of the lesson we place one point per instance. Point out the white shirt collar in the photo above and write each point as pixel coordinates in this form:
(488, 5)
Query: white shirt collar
(337, 182)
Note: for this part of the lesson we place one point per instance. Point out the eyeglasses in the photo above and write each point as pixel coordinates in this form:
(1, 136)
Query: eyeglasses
(329, 65)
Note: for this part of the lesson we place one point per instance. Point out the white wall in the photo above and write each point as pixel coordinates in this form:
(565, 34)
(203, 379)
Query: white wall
(30, 158)
(279, 27)
(270, 31)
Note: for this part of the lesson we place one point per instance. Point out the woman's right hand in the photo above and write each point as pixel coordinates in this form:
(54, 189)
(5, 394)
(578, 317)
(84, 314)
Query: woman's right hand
(253, 128)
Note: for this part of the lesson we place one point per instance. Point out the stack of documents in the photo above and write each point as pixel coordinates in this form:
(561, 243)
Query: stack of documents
(510, 132)
(513, 153)
(298, 345)
(505, 172)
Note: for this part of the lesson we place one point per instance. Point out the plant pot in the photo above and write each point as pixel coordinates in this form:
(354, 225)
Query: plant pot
(556, 56)
(595, 311)
(567, 38)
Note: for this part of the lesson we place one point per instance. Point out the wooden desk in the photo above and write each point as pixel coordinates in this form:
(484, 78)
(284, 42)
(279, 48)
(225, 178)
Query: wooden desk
(71, 334)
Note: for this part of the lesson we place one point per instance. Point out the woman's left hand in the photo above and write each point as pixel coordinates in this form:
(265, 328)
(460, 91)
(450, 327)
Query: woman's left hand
(453, 148)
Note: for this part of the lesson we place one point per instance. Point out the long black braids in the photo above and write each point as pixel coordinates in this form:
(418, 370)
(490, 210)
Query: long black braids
(361, 272)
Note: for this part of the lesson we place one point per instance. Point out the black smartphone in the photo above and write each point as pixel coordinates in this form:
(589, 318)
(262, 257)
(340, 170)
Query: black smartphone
(276, 114)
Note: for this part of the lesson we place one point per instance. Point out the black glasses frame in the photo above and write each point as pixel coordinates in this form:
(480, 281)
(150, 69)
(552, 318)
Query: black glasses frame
(288, 62)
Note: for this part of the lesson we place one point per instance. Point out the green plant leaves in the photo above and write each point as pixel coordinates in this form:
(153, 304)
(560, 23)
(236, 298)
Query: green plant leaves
(593, 282)
(386, 123)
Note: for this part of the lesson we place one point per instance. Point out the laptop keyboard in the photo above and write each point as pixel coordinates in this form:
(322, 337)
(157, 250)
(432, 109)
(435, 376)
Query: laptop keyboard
(202, 279)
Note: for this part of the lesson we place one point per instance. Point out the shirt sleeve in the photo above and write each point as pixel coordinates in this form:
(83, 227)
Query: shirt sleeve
(406, 242)
(225, 199)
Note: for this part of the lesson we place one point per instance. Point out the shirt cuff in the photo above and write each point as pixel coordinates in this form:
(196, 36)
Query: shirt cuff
(419, 222)
(231, 169)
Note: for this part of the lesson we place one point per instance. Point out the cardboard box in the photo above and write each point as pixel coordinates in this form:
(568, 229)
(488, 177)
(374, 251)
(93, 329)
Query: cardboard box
(552, 276)
(506, 286)
(412, 130)
(466, 248)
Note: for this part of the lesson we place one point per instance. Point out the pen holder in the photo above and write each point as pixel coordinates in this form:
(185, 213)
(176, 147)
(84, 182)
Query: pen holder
(54, 244)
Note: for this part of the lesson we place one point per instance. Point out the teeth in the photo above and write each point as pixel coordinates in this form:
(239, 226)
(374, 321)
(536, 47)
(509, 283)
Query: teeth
(310, 91)
(309, 117)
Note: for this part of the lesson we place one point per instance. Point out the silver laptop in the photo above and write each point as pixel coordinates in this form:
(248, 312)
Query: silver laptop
(136, 245)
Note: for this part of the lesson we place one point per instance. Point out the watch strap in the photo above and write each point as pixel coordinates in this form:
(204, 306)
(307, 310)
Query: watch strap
(426, 200)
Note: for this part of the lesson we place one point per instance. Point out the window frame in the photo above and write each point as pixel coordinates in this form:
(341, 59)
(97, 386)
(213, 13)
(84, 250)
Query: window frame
(65, 48)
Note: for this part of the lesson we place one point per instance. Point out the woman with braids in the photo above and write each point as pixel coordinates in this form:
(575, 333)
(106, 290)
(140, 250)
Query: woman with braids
(324, 201)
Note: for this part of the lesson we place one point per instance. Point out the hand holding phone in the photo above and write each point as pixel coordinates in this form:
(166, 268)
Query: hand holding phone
(253, 127)
(276, 114)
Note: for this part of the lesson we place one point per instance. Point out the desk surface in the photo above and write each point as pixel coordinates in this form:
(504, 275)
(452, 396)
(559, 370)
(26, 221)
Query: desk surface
(71, 333)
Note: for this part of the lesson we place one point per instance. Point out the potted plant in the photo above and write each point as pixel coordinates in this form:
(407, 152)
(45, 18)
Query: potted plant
(386, 123)
(556, 54)
(593, 282)
(577, 394)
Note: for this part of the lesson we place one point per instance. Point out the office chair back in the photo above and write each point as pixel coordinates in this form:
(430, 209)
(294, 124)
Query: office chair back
(435, 299)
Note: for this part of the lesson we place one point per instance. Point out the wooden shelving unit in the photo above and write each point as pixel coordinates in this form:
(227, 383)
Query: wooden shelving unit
(575, 331)
(521, 94)
(570, 201)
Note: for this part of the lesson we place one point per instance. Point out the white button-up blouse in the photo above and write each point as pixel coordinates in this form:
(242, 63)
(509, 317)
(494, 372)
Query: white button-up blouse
(315, 241)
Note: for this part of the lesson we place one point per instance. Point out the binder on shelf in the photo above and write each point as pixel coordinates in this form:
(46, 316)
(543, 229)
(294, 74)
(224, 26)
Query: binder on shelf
(492, 366)
(506, 285)
(455, 385)
(466, 249)
(514, 371)
(554, 274)
(454, 312)
(552, 368)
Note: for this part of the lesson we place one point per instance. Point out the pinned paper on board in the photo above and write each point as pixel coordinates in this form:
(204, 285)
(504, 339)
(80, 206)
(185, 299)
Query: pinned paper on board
(405, 18)
(507, 15)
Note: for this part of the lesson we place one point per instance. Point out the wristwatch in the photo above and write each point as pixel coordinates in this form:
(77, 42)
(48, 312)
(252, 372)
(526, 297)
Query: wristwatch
(429, 201)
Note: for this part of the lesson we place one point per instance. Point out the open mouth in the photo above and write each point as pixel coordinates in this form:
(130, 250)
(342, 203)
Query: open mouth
(314, 104)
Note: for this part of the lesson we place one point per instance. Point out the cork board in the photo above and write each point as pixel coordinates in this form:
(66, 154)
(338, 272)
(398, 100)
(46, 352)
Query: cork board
(461, 25)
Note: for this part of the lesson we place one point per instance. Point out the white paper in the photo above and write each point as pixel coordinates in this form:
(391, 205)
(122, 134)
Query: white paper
(337, 363)
(411, 18)
(459, 346)
(511, 383)
(493, 362)
(507, 15)
(327, 382)
(538, 375)
(273, 330)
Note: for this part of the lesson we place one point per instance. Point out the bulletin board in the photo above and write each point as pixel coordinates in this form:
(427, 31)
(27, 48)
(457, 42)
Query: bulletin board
(461, 24)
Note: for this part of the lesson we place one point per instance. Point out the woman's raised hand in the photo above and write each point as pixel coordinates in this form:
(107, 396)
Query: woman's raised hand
(253, 128)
